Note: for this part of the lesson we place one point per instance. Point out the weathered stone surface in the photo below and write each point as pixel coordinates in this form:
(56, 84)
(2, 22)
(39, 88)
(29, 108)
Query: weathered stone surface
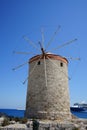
(51, 100)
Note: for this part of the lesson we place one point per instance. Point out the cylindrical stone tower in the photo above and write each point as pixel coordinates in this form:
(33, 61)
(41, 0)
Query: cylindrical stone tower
(47, 93)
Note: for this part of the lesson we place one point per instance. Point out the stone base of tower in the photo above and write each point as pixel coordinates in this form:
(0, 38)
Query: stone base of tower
(48, 115)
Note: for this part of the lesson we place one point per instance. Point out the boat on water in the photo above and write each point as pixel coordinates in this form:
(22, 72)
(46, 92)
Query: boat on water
(79, 107)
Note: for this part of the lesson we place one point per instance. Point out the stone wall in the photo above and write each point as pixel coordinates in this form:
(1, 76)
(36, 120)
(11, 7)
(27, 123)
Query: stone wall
(51, 100)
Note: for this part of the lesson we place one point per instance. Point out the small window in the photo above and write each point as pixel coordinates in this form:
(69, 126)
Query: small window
(38, 63)
(61, 64)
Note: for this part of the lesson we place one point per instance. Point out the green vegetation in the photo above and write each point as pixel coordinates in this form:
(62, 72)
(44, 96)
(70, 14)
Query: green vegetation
(21, 120)
(75, 128)
(16, 119)
(8, 120)
(24, 120)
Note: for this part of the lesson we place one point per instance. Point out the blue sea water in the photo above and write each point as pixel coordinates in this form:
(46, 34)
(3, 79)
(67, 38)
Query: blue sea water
(13, 112)
(81, 114)
(20, 113)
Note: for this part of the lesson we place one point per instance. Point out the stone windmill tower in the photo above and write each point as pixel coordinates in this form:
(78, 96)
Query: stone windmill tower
(48, 94)
(47, 91)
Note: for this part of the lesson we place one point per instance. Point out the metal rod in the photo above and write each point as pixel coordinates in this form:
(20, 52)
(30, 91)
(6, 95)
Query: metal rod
(73, 58)
(42, 38)
(25, 80)
(19, 66)
(52, 37)
(26, 53)
(67, 43)
(29, 41)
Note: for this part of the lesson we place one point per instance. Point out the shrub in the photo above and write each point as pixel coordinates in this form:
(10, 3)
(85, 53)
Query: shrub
(24, 120)
(17, 119)
(75, 128)
(21, 120)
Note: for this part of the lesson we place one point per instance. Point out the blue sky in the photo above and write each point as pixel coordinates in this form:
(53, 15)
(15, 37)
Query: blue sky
(27, 17)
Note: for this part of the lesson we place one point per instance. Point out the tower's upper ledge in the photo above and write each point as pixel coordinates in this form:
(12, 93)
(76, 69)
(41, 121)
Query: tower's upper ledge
(47, 56)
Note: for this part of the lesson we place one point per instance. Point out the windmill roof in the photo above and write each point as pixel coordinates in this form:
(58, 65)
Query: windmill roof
(47, 56)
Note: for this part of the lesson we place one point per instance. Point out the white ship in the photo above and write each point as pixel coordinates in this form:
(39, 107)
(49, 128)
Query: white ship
(79, 107)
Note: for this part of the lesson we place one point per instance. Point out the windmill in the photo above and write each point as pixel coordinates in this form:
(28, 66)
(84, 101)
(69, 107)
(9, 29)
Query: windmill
(47, 92)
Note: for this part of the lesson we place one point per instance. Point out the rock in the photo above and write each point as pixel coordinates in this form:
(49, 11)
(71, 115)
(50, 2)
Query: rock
(75, 124)
(1, 120)
(17, 125)
(12, 122)
(29, 124)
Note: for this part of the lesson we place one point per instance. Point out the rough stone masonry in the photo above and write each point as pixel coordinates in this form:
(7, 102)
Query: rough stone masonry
(47, 93)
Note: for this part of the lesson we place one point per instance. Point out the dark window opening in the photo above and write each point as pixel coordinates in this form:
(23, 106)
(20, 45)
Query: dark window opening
(61, 64)
(38, 63)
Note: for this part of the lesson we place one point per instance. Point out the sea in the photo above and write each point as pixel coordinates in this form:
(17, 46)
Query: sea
(20, 113)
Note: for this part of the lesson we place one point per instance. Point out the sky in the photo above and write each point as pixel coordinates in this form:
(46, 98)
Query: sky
(20, 18)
